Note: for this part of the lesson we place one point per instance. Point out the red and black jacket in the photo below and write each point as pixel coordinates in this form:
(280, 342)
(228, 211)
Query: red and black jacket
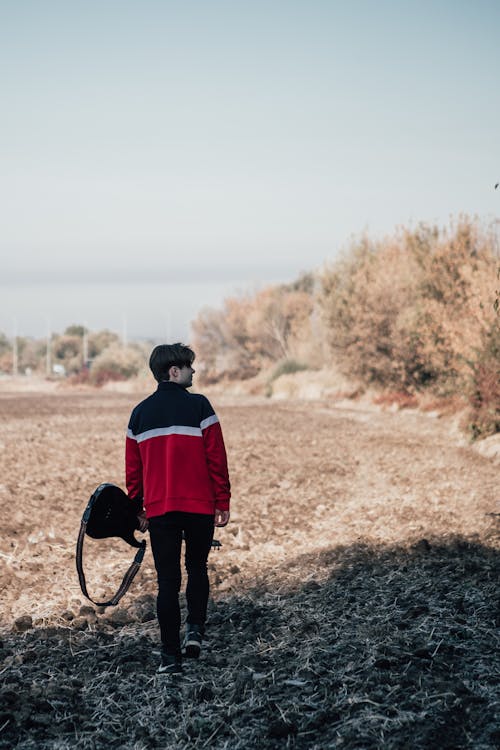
(175, 457)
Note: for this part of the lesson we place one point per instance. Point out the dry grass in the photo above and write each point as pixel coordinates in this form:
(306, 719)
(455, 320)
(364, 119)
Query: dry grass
(397, 399)
(445, 406)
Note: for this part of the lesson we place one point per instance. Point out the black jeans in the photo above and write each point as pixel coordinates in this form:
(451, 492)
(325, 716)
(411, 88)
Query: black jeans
(166, 540)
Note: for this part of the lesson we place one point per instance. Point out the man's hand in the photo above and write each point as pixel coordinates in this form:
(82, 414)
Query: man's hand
(143, 521)
(221, 517)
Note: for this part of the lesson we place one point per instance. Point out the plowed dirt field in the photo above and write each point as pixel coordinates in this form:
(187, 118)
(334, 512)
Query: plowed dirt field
(353, 598)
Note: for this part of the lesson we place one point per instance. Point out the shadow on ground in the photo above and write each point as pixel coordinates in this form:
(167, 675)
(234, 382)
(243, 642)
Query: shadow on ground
(370, 647)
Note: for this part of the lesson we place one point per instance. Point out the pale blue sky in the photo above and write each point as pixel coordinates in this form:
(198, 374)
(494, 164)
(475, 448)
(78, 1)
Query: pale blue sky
(157, 156)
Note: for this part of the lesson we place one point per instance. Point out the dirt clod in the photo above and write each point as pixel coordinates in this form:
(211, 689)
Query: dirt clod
(23, 623)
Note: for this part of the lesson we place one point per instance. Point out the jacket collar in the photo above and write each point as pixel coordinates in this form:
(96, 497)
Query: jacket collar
(168, 385)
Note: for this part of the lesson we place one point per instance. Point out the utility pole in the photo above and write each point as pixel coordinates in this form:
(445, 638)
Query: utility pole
(124, 330)
(48, 352)
(15, 353)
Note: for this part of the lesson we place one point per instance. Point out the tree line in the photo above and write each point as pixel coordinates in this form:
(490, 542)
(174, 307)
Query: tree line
(79, 354)
(414, 313)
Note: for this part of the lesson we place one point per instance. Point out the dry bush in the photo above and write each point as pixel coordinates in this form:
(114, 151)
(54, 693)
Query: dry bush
(483, 418)
(6, 362)
(222, 342)
(30, 354)
(280, 323)
(5, 354)
(65, 347)
(365, 303)
(457, 289)
(116, 363)
(5, 344)
(98, 341)
(255, 330)
(408, 312)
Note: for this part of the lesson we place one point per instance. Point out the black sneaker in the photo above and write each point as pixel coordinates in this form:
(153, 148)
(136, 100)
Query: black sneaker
(170, 664)
(192, 641)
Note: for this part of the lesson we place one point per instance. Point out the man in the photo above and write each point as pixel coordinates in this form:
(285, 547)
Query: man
(176, 461)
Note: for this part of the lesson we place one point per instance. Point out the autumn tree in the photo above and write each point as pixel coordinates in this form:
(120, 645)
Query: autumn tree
(410, 311)
(252, 331)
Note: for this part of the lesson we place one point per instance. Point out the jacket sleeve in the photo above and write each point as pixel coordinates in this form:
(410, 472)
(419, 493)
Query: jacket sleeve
(215, 452)
(133, 467)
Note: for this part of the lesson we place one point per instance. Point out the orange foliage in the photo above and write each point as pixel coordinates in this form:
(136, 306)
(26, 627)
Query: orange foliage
(414, 312)
(410, 312)
(252, 331)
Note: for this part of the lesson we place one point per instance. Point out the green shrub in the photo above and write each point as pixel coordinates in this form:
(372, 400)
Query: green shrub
(287, 367)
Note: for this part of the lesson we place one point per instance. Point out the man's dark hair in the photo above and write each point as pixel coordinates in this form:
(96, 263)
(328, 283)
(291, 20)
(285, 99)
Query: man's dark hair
(165, 356)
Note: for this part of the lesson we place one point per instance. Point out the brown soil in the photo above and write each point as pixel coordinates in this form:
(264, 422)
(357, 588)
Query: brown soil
(352, 600)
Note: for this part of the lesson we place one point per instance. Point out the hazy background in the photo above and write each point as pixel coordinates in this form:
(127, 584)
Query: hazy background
(157, 156)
